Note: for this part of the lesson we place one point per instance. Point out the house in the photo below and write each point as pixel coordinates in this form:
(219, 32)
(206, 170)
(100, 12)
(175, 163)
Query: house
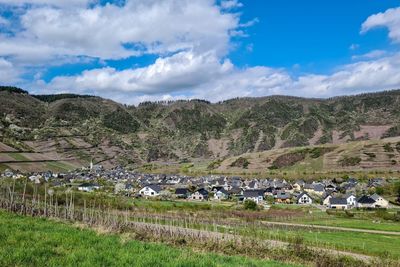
(298, 185)
(150, 191)
(304, 198)
(283, 197)
(380, 202)
(326, 200)
(365, 202)
(181, 192)
(351, 200)
(88, 187)
(339, 203)
(221, 194)
(200, 194)
(318, 189)
(374, 201)
(254, 195)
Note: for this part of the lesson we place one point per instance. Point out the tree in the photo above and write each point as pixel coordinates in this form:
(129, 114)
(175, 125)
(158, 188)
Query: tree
(250, 205)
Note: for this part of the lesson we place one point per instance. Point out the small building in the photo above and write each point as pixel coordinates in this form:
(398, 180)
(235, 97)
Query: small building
(88, 187)
(283, 197)
(380, 202)
(181, 192)
(200, 194)
(304, 199)
(338, 203)
(150, 191)
(221, 194)
(254, 195)
(351, 200)
(326, 200)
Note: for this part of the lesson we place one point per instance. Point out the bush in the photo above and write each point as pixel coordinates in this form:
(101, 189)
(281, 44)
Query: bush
(350, 161)
(250, 205)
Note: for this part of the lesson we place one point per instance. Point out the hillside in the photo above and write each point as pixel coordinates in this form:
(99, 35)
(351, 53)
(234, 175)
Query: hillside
(67, 131)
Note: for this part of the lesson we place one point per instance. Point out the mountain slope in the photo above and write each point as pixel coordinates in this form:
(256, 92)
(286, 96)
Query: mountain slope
(81, 128)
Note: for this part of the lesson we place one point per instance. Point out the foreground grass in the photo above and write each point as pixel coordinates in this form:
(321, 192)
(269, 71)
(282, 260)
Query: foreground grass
(26, 241)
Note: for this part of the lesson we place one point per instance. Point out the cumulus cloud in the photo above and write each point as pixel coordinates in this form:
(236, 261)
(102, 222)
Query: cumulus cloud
(184, 70)
(119, 31)
(192, 40)
(62, 3)
(389, 19)
(187, 75)
(230, 4)
(8, 72)
(370, 55)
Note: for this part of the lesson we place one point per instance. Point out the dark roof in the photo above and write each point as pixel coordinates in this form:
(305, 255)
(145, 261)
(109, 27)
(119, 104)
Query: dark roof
(155, 187)
(203, 192)
(338, 201)
(302, 194)
(235, 190)
(181, 191)
(319, 187)
(253, 193)
(366, 200)
(222, 190)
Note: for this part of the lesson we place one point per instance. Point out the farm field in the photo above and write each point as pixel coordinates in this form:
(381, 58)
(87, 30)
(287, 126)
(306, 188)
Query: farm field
(40, 242)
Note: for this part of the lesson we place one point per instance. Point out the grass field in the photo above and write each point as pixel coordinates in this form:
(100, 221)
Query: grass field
(28, 241)
(59, 166)
(18, 157)
(180, 205)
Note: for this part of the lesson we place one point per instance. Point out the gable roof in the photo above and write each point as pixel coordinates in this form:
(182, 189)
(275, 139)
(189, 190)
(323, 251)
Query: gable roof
(181, 191)
(338, 201)
(375, 197)
(253, 193)
(202, 191)
(302, 194)
(366, 200)
(283, 195)
(154, 187)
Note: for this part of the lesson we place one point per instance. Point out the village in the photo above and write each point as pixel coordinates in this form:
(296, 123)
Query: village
(337, 193)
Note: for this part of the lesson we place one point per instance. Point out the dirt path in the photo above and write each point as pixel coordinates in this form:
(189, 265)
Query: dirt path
(225, 236)
(335, 228)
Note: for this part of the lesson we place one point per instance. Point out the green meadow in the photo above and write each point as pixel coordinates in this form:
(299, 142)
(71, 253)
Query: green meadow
(26, 241)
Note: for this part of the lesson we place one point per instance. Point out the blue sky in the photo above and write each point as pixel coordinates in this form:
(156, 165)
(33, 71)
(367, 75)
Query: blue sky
(139, 50)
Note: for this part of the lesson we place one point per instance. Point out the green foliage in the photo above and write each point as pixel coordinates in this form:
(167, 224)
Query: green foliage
(350, 161)
(12, 89)
(388, 147)
(121, 121)
(214, 164)
(250, 204)
(53, 98)
(240, 163)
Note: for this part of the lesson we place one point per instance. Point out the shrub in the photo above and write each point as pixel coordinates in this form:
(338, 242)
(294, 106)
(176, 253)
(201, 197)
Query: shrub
(250, 205)
(241, 163)
(350, 161)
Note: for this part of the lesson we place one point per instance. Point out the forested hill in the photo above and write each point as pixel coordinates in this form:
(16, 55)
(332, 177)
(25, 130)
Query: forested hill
(181, 130)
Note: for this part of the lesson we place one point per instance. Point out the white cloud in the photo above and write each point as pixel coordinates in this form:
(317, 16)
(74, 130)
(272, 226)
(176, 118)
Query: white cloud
(4, 21)
(230, 4)
(181, 71)
(8, 72)
(115, 32)
(186, 75)
(389, 19)
(62, 3)
(370, 55)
